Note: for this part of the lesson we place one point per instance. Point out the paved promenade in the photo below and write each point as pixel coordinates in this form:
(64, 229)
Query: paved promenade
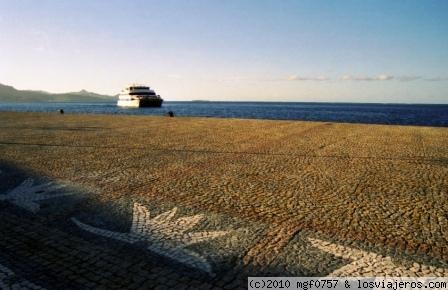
(134, 202)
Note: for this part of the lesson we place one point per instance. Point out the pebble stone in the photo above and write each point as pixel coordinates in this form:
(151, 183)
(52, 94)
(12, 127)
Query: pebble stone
(203, 202)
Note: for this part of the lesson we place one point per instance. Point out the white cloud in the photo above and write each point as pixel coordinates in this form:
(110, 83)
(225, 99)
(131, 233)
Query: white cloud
(367, 78)
(383, 78)
(408, 78)
(348, 77)
(306, 78)
(404, 78)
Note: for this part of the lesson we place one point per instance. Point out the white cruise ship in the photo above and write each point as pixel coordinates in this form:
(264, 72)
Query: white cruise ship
(139, 96)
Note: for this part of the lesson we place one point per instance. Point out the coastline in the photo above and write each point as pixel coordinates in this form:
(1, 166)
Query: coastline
(351, 113)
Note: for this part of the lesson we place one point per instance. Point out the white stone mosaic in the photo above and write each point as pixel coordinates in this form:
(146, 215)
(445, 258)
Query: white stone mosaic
(368, 264)
(9, 280)
(26, 195)
(164, 235)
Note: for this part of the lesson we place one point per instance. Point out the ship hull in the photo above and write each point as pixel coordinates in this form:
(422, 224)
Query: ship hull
(142, 103)
(151, 103)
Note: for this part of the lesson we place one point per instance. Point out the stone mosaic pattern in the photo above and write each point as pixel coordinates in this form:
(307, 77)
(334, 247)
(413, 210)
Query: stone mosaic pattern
(27, 195)
(59, 258)
(163, 235)
(269, 247)
(378, 193)
(368, 264)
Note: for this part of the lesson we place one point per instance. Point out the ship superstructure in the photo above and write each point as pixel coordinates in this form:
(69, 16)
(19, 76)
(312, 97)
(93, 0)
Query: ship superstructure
(139, 96)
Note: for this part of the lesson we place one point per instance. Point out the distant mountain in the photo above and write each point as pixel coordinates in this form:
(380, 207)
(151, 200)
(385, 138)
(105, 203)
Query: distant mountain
(9, 94)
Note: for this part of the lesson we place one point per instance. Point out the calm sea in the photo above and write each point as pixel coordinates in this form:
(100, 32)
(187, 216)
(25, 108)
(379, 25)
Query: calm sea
(428, 115)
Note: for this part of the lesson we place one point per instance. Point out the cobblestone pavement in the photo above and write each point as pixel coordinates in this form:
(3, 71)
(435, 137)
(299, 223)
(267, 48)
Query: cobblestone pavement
(134, 202)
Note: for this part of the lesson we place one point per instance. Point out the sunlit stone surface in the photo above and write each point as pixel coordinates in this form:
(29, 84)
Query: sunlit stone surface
(281, 188)
(370, 264)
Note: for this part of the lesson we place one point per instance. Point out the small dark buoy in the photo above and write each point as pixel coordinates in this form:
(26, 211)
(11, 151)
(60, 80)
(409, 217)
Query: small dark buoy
(61, 111)
(170, 114)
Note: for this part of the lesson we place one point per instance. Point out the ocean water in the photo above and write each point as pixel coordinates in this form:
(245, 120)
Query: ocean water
(399, 114)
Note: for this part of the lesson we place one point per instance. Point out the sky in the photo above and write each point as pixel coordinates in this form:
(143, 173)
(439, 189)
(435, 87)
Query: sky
(246, 50)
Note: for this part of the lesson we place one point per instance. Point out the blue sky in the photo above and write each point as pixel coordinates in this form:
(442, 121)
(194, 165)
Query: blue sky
(352, 51)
